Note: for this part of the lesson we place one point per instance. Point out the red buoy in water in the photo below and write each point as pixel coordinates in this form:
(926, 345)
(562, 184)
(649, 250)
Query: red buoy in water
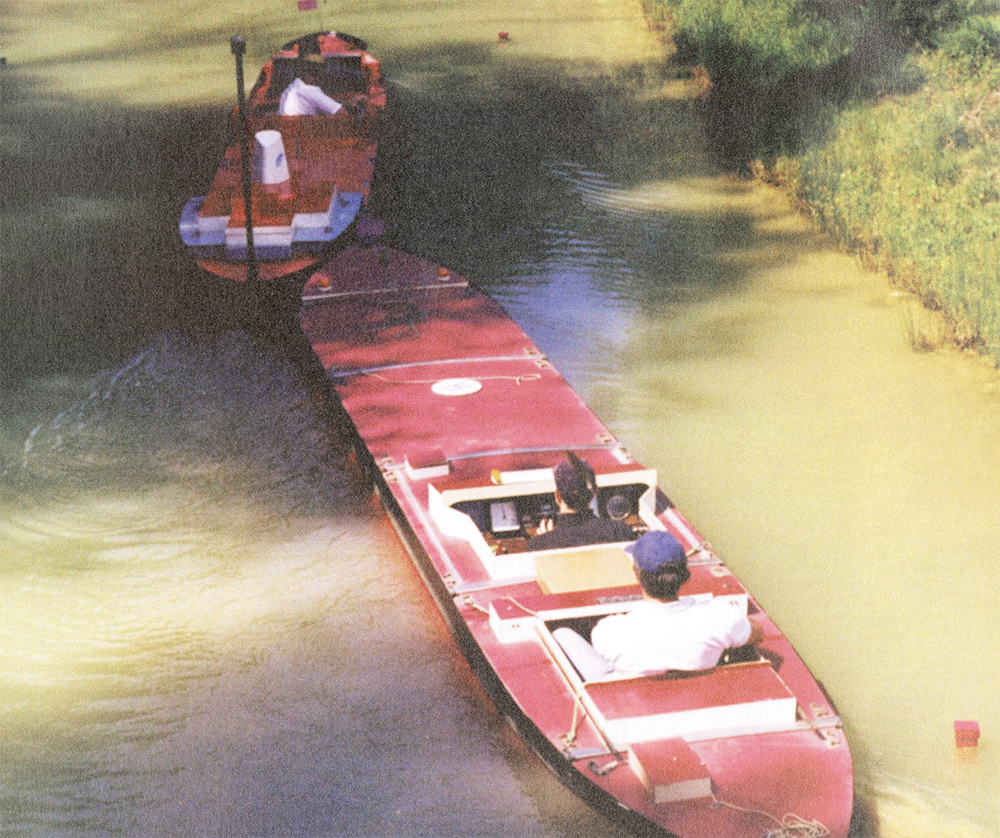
(503, 35)
(966, 734)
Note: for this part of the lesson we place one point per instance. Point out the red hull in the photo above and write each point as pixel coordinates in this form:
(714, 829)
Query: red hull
(730, 753)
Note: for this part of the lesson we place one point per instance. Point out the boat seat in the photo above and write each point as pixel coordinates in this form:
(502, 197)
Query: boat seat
(584, 568)
(584, 657)
(735, 700)
(591, 665)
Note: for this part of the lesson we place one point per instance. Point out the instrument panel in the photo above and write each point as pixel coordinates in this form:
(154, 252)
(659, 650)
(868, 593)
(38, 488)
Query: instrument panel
(508, 523)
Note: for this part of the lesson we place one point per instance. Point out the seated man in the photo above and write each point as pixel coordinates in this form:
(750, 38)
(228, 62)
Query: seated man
(303, 97)
(664, 632)
(576, 524)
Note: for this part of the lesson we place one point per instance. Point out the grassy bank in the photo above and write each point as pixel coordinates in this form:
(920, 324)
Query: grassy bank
(883, 120)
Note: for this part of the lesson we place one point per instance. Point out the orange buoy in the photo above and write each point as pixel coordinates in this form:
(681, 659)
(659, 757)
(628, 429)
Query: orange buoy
(503, 35)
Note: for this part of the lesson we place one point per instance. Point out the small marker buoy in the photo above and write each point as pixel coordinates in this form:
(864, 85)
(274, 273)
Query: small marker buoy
(503, 35)
(966, 734)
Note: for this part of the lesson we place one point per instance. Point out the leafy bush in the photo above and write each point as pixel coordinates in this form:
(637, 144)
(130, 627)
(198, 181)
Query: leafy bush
(758, 43)
(972, 43)
(921, 20)
(768, 61)
(883, 118)
(913, 184)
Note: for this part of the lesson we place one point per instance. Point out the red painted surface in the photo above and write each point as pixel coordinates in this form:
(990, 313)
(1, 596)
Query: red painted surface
(722, 686)
(387, 326)
(666, 762)
(966, 734)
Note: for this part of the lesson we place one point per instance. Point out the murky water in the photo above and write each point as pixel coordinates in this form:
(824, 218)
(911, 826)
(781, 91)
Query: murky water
(209, 628)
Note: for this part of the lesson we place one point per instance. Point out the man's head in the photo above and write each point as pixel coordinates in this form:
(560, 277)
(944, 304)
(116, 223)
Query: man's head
(660, 564)
(575, 482)
(309, 67)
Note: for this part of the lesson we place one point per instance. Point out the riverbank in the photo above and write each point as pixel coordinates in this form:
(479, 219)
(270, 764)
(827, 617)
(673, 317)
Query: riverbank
(883, 127)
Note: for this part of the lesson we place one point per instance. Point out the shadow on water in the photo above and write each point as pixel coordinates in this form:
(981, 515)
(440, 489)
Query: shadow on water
(532, 165)
(475, 166)
(227, 414)
(92, 266)
(93, 272)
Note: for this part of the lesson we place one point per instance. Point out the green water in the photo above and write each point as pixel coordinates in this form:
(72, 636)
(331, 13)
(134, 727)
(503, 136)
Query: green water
(208, 626)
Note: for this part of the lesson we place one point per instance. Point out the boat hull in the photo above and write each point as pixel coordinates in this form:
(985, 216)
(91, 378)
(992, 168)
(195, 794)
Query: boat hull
(460, 419)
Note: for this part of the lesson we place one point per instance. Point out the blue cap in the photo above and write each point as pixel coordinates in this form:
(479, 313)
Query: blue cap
(656, 548)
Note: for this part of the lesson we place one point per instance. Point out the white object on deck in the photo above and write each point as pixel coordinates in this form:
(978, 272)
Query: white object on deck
(270, 165)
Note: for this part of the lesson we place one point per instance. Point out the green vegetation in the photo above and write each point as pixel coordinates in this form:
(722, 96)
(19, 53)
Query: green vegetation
(882, 118)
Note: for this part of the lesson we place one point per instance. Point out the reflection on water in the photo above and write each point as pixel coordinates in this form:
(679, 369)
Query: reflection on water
(209, 627)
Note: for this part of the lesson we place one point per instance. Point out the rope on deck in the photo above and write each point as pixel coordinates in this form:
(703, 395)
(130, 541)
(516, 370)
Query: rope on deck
(790, 826)
(517, 379)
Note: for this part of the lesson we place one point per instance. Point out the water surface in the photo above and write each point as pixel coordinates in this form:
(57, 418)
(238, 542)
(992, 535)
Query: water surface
(210, 628)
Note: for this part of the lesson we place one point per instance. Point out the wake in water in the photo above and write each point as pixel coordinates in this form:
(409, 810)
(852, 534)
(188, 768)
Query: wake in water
(179, 548)
(229, 412)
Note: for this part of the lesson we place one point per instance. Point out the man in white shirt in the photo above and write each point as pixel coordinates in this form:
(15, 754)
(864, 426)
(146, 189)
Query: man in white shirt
(303, 97)
(665, 632)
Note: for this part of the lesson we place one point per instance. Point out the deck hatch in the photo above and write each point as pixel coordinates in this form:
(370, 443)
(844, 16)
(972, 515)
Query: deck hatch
(733, 700)
(670, 771)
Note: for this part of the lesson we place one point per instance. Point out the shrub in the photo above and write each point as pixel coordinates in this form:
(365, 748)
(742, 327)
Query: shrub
(894, 147)
(758, 43)
(921, 20)
(972, 43)
(913, 184)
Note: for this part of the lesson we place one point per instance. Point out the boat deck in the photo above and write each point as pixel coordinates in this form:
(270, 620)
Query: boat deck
(464, 419)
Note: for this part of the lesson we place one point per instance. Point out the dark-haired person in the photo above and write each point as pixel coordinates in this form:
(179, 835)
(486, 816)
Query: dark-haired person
(576, 524)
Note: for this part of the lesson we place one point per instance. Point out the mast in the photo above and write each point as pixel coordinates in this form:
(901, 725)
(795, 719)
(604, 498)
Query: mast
(238, 46)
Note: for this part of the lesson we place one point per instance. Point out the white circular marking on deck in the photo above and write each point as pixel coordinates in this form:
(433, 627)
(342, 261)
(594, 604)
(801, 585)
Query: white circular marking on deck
(456, 386)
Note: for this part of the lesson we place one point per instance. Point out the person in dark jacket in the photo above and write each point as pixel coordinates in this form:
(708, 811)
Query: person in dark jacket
(576, 524)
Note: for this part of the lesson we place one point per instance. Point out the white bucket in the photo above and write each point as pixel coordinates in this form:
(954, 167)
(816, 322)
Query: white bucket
(270, 165)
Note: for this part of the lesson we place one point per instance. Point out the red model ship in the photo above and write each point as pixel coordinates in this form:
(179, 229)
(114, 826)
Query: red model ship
(461, 419)
(312, 174)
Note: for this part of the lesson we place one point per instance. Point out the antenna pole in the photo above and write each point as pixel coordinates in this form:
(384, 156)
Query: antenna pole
(238, 46)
